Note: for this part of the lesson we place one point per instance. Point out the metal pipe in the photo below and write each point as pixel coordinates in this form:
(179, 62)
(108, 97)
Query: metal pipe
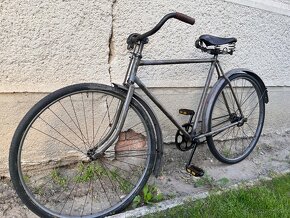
(167, 114)
(203, 96)
(176, 61)
(119, 125)
(220, 130)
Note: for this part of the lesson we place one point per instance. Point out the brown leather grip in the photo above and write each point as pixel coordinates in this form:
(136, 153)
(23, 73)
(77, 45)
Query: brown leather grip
(185, 18)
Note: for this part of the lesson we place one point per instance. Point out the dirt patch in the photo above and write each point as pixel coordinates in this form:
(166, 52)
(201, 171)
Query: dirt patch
(271, 156)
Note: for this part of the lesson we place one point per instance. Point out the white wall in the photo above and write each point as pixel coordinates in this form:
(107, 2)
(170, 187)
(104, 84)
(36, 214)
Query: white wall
(45, 45)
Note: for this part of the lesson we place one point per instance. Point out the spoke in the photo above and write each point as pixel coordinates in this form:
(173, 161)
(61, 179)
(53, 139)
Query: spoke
(247, 137)
(79, 127)
(247, 99)
(225, 121)
(126, 179)
(140, 156)
(250, 128)
(64, 188)
(68, 196)
(256, 104)
(216, 118)
(131, 164)
(228, 132)
(67, 126)
(103, 120)
(114, 187)
(73, 146)
(72, 121)
(231, 141)
(125, 151)
(104, 190)
(108, 109)
(223, 108)
(86, 125)
(107, 162)
(86, 197)
(93, 119)
(92, 197)
(121, 184)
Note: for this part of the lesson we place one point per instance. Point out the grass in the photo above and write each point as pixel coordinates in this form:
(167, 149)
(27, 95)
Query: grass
(208, 181)
(57, 178)
(268, 199)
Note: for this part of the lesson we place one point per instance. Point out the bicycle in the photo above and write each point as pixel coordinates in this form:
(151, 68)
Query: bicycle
(88, 149)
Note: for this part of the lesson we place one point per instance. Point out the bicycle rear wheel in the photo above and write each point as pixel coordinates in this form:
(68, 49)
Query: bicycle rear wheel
(49, 162)
(234, 144)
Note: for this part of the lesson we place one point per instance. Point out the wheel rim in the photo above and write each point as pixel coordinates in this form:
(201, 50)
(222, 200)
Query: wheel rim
(59, 177)
(235, 143)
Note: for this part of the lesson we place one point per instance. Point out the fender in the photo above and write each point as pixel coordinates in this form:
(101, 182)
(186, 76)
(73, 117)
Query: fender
(158, 132)
(260, 81)
(221, 81)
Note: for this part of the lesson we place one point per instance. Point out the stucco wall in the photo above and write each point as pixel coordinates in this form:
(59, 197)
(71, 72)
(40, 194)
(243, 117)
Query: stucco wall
(48, 44)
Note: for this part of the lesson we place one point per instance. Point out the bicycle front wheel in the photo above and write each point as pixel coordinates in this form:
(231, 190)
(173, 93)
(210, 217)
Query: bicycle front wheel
(242, 101)
(49, 161)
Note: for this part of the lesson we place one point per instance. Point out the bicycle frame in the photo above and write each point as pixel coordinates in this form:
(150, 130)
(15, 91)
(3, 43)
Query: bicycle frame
(131, 79)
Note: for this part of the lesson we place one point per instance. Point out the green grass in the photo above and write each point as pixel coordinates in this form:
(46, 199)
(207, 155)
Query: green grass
(268, 199)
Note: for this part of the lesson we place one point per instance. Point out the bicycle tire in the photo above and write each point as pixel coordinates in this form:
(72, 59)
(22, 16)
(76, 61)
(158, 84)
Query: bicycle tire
(236, 143)
(54, 180)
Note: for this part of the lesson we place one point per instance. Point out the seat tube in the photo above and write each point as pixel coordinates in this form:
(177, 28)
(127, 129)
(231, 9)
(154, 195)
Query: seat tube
(203, 96)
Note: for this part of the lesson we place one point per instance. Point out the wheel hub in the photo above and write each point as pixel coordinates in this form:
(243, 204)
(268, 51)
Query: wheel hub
(91, 153)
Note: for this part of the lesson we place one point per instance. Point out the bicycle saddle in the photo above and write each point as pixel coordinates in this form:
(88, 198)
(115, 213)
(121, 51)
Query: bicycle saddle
(214, 40)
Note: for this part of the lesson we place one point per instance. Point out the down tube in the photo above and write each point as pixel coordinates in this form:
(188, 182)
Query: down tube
(157, 103)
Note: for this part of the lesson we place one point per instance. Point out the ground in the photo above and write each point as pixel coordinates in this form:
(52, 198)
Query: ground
(270, 157)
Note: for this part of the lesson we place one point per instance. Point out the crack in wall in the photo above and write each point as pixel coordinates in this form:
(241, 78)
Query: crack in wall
(111, 43)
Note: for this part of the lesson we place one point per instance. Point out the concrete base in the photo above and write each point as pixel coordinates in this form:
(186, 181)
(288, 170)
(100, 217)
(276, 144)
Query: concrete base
(15, 105)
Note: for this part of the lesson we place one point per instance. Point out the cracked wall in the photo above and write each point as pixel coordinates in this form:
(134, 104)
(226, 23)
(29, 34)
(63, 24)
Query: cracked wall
(46, 45)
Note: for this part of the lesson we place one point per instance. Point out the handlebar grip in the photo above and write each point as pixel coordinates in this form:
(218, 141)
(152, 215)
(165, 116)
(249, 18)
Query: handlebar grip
(185, 18)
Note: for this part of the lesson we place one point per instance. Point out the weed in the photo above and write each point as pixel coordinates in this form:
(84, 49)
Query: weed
(58, 178)
(222, 182)
(273, 173)
(26, 179)
(39, 191)
(149, 195)
(125, 185)
(206, 180)
(88, 172)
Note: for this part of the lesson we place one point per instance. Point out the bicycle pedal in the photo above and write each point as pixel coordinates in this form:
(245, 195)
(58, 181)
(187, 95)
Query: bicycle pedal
(194, 170)
(186, 112)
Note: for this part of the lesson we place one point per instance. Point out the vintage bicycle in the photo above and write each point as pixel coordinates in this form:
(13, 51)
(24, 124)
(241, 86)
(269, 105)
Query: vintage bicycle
(88, 149)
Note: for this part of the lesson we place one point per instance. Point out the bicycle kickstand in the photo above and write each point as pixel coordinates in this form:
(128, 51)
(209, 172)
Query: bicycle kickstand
(192, 169)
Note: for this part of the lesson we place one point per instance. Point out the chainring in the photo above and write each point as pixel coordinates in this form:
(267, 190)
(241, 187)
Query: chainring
(180, 141)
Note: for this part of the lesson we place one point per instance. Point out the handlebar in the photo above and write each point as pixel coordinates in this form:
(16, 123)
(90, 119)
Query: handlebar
(133, 38)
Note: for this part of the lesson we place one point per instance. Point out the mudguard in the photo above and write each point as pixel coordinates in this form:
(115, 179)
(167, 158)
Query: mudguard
(260, 81)
(158, 132)
(221, 81)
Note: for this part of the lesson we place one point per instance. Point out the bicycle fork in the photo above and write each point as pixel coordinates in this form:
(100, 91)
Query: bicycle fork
(121, 115)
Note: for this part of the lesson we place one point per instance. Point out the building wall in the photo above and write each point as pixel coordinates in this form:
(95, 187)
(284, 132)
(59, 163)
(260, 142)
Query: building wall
(46, 45)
